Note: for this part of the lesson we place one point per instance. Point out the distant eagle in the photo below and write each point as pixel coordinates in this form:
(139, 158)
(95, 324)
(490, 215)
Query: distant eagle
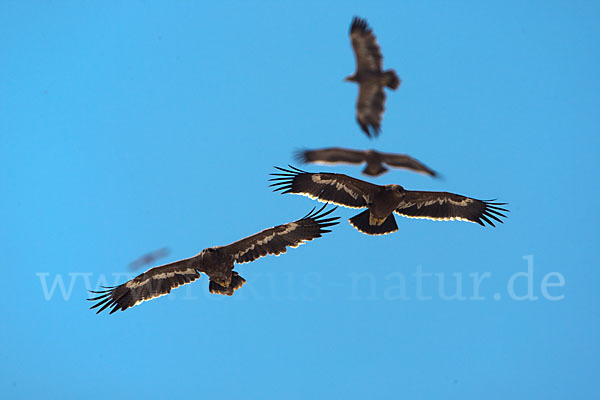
(382, 201)
(216, 262)
(374, 160)
(149, 258)
(370, 77)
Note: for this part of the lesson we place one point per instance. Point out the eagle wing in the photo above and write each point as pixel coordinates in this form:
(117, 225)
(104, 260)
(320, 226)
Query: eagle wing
(407, 162)
(330, 156)
(276, 240)
(366, 50)
(370, 106)
(443, 206)
(332, 188)
(153, 283)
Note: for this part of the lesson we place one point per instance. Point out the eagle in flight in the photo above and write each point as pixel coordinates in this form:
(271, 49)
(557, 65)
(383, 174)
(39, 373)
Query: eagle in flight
(374, 160)
(382, 201)
(216, 262)
(370, 77)
(149, 258)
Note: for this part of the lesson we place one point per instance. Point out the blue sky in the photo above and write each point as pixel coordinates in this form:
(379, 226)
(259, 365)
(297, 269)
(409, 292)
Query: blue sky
(126, 127)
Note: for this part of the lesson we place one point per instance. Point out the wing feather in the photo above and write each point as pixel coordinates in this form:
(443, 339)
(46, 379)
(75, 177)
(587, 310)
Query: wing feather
(276, 240)
(407, 162)
(338, 189)
(155, 282)
(366, 50)
(370, 106)
(443, 206)
(331, 156)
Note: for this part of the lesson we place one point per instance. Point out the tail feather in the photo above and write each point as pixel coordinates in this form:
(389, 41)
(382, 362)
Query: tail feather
(391, 80)
(361, 222)
(236, 282)
(374, 169)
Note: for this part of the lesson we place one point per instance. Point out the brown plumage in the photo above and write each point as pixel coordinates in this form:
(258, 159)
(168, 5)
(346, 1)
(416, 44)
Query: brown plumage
(382, 201)
(370, 77)
(216, 262)
(374, 160)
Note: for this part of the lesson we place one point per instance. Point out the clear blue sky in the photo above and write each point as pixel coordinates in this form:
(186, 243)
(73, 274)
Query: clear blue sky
(129, 126)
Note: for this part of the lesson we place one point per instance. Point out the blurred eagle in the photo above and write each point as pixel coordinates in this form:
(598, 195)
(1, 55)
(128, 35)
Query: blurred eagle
(149, 258)
(374, 160)
(382, 201)
(216, 262)
(370, 77)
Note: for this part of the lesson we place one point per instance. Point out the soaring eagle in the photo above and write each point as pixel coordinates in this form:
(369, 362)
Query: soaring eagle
(149, 258)
(374, 160)
(216, 262)
(370, 77)
(382, 201)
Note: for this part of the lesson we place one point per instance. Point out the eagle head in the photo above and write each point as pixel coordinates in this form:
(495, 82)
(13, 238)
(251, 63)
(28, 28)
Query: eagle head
(396, 188)
(351, 78)
(210, 253)
(209, 250)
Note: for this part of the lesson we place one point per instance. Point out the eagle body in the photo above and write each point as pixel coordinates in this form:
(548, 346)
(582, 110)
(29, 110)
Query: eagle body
(384, 202)
(381, 202)
(378, 78)
(370, 76)
(374, 161)
(216, 262)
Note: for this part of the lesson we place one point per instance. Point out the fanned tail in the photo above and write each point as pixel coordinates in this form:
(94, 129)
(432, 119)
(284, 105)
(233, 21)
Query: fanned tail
(361, 222)
(236, 282)
(391, 80)
(374, 169)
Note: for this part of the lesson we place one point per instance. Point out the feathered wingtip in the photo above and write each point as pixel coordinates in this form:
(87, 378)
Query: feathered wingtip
(319, 215)
(105, 299)
(301, 156)
(371, 128)
(359, 25)
(491, 211)
(283, 181)
(292, 170)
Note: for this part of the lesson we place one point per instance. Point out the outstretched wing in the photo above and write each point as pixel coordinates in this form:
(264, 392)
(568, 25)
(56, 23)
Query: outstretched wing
(366, 50)
(276, 240)
(407, 162)
(370, 106)
(331, 156)
(332, 188)
(444, 206)
(155, 282)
